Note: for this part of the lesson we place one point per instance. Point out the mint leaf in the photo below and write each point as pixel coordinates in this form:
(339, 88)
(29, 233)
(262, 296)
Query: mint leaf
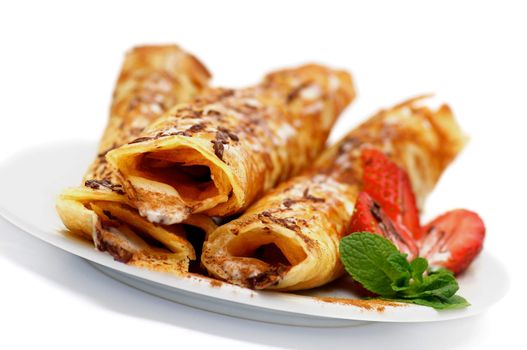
(376, 263)
(399, 271)
(364, 256)
(454, 302)
(442, 285)
(419, 266)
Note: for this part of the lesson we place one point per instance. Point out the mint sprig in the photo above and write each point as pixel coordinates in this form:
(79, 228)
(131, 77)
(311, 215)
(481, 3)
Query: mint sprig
(375, 262)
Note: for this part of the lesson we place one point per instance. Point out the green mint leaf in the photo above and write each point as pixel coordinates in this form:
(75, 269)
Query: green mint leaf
(454, 302)
(375, 262)
(440, 270)
(399, 270)
(364, 256)
(419, 266)
(457, 302)
(441, 285)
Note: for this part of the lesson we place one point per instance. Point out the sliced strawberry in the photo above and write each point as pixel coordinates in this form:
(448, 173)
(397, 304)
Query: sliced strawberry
(369, 216)
(453, 240)
(390, 186)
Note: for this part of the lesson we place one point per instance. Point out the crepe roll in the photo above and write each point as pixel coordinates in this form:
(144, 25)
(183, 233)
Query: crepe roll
(220, 152)
(289, 239)
(152, 79)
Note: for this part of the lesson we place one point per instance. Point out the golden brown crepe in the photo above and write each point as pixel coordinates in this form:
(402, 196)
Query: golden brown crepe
(289, 239)
(152, 79)
(220, 152)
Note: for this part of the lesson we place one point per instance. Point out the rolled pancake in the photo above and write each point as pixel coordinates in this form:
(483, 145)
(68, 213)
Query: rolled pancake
(289, 239)
(220, 152)
(152, 79)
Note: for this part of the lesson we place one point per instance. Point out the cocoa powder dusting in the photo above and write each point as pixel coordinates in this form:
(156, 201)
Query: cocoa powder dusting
(368, 304)
(215, 283)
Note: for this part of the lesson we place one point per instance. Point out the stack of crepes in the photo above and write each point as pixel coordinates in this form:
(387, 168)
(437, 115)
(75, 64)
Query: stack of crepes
(289, 239)
(152, 79)
(169, 160)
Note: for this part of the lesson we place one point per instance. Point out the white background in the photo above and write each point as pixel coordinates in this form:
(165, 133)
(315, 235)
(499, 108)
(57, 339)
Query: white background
(58, 64)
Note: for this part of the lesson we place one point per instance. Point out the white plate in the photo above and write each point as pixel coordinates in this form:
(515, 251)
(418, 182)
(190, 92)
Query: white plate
(30, 182)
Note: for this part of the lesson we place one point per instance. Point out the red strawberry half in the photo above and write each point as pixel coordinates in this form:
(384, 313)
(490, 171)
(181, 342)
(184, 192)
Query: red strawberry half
(453, 240)
(369, 216)
(390, 187)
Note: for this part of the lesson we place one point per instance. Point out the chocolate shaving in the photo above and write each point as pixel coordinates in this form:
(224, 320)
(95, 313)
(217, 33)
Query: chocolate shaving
(229, 133)
(311, 197)
(315, 199)
(218, 148)
(213, 113)
(196, 127)
(118, 253)
(109, 215)
(296, 92)
(222, 137)
(141, 139)
(103, 153)
(97, 184)
(250, 106)
(288, 202)
(267, 278)
(289, 223)
(178, 133)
